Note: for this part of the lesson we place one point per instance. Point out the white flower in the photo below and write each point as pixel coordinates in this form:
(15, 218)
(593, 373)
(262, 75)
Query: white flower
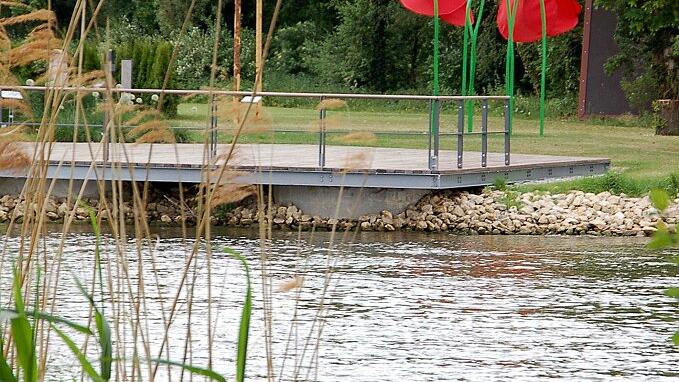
(127, 97)
(194, 109)
(30, 82)
(154, 98)
(130, 102)
(139, 100)
(96, 95)
(61, 107)
(119, 86)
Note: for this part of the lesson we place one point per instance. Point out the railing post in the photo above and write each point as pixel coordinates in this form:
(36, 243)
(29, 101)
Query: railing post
(437, 135)
(429, 136)
(484, 133)
(105, 142)
(321, 136)
(508, 133)
(434, 134)
(460, 133)
(106, 131)
(213, 127)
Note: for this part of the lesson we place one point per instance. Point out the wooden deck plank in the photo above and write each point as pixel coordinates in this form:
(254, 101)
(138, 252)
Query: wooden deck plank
(286, 156)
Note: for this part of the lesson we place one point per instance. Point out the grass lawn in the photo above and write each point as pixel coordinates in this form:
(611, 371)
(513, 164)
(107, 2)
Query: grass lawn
(635, 152)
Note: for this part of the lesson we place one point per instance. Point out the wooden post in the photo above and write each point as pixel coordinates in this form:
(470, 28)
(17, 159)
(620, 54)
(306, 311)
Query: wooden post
(237, 15)
(237, 67)
(584, 60)
(259, 74)
(259, 29)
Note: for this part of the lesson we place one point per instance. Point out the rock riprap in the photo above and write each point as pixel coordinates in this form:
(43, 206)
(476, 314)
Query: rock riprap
(492, 212)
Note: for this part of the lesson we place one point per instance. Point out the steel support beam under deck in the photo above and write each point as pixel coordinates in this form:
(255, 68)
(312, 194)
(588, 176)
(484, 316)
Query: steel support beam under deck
(332, 178)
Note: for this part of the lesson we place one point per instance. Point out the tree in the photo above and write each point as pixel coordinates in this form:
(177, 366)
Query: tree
(375, 46)
(171, 14)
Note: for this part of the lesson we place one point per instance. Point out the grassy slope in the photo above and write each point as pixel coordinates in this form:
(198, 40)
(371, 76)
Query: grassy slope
(635, 152)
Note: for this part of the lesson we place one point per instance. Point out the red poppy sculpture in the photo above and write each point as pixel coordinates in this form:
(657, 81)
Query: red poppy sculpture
(530, 21)
(517, 20)
(450, 11)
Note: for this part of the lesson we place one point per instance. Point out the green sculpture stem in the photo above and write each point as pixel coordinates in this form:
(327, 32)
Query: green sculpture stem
(509, 62)
(465, 53)
(436, 88)
(437, 27)
(543, 74)
(474, 32)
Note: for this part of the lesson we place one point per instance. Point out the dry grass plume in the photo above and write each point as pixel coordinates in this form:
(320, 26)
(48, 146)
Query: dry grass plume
(13, 157)
(332, 104)
(358, 138)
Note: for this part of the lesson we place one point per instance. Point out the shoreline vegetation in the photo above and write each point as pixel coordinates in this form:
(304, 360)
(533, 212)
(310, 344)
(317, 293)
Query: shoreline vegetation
(142, 324)
(492, 212)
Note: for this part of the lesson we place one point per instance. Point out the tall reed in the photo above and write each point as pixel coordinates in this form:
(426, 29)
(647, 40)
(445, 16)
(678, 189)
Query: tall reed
(124, 289)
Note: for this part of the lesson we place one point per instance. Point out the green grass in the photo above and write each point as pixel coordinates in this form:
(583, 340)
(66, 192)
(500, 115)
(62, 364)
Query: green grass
(637, 154)
(614, 182)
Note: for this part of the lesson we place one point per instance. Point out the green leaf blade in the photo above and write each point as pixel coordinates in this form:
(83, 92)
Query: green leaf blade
(660, 199)
(11, 314)
(6, 374)
(84, 363)
(105, 344)
(103, 333)
(193, 369)
(244, 329)
(661, 239)
(22, 332)
(672, 292)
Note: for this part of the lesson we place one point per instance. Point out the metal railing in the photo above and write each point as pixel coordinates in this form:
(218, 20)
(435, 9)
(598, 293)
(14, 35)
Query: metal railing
(434, 133)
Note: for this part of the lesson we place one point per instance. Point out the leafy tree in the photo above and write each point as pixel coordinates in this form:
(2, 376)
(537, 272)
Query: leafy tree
(171, 14)
(372, 47)
(321, 13)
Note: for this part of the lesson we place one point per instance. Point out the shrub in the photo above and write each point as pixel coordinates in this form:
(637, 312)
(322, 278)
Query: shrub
(150, 61)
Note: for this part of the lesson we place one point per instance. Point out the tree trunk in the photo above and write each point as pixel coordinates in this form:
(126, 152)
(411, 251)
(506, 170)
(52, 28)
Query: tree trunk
(237, 45)
(237, 16)
(259, 31)
(669, 117)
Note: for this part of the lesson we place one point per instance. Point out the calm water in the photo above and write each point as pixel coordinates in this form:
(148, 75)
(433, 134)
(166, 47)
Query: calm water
(410, 307)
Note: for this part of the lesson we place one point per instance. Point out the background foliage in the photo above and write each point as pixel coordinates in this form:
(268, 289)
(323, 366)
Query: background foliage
(377, 46)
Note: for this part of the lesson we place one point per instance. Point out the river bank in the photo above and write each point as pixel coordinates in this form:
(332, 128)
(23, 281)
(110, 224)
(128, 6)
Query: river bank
(491, 212)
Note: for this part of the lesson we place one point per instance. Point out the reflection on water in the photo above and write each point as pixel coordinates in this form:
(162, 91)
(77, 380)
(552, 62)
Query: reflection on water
(429, 307)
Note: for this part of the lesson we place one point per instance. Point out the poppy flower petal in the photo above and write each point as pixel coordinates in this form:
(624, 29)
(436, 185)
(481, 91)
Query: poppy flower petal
(567, 19)
(457, 17)
(562, 16)
(426, 7)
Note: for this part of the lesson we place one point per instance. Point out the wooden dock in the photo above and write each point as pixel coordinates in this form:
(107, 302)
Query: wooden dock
(291, 164)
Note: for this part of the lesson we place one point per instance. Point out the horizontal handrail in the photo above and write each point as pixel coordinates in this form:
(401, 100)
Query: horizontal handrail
(433, 132)
(275, 130)
(261, 94)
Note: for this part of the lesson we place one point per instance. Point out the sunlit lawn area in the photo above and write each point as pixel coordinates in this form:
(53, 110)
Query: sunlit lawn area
(634, 151)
